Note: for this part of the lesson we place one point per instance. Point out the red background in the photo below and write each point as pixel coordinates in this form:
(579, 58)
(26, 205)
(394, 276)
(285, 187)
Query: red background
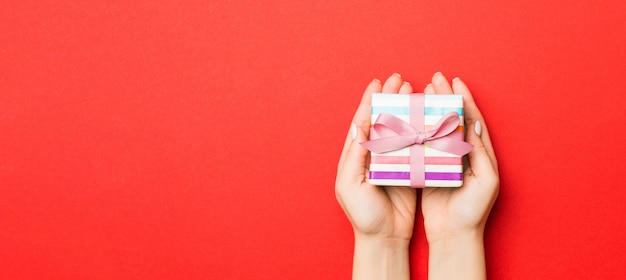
(199, 139)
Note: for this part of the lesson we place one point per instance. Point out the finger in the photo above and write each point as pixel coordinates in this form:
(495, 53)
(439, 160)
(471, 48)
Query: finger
(355, 161)
(479, 159)
(471, 114)
(351, 134)
(406, 88)
(363, 113)
(362, 117)
(440, 84)
(429, 89)
(393, 83)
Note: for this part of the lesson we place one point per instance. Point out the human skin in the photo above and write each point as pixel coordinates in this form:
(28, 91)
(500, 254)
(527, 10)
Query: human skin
(383, 217)
(454, 218)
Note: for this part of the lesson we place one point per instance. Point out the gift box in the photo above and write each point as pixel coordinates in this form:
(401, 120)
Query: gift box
(416, 140)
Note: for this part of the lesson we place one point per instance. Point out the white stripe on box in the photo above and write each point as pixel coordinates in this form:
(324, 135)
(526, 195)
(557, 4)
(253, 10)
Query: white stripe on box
(390, 182)
(391, 100)
(385, 167)
(443, 168)
(390, 167)
(430, 152)
(407, 183)
(405, 118)
(402, 100)
(447, 103)
(442, 183)
(433, 119)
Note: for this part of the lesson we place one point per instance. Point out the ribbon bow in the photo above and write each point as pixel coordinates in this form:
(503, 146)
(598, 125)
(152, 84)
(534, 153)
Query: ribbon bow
(397, 134)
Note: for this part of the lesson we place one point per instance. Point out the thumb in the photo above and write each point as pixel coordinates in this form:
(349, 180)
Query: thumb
(356, 156)
(479, 160)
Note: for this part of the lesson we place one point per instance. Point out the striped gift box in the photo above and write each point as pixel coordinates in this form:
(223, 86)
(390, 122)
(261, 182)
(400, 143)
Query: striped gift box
(440, 169)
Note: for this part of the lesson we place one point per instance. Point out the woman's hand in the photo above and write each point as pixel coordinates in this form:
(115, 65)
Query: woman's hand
(382, 217)
(454, 218)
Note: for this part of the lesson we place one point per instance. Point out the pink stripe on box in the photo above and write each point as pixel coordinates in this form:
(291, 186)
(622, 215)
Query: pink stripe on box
(390, 159)
(442, 160)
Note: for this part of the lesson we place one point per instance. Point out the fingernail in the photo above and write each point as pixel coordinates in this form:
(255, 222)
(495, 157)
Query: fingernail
(376, 80)
(406, 83)
(438, 73)
(478, 128)
(353, 131)
(397, 75)
(456, 79)
(428, 88)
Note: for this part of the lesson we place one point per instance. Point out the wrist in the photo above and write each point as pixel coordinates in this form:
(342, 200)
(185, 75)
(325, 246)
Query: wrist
(455, 236)
(458, 255)
(389, 242)
(380, 258)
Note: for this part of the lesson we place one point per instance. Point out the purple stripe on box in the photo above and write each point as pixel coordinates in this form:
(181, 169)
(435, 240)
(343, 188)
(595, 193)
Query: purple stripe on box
(450, 176)
(390, 175)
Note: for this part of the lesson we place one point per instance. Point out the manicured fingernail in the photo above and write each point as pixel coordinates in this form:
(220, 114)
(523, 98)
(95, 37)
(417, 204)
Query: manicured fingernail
(397, 75)
(376, 80)
(406, 83)
(456, 79)
(478, 128)
(353, 131)
(438, 73)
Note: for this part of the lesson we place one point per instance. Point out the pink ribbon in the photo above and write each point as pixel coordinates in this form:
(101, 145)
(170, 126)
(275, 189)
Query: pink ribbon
(397, 134)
